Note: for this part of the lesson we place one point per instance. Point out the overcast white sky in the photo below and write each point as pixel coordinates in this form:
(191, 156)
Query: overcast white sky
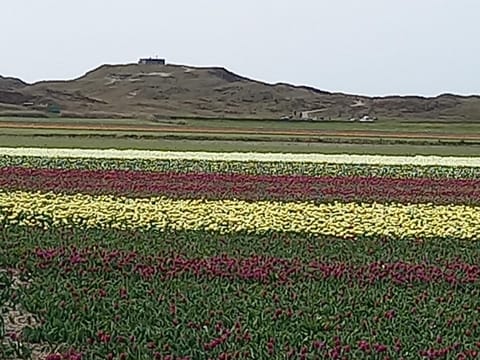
(373, 47)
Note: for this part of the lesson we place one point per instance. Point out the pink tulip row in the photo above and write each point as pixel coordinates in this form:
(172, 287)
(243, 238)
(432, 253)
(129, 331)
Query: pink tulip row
(243, 187)
(336, 349)
(258, 268)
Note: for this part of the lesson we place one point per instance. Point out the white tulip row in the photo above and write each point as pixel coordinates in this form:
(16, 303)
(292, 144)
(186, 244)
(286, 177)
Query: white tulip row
(250, 156)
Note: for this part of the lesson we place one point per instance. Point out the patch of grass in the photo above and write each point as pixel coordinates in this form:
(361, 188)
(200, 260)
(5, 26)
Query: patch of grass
(188, 136)
(389, 125)
(392, 125)
(235, 145)
(75, 121)
(203, 141)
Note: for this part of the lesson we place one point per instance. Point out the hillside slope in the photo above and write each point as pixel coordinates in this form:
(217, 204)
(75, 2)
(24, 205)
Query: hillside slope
(157, 91)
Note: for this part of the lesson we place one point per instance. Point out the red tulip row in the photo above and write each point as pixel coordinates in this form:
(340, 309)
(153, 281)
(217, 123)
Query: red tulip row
(243, 187)
(261, 269)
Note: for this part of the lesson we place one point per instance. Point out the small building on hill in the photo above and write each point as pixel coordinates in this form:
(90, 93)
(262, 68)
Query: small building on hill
(151, 61)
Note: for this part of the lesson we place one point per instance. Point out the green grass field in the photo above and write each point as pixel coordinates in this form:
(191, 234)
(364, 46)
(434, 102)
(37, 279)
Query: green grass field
(75, 121)
(198, 141)
(235, 145)
(391, 125)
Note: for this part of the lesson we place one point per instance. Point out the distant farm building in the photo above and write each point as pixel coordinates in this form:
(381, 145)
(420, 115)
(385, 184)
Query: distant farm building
(151, 61)
(364, 119)
(313, 115)
(367, 118)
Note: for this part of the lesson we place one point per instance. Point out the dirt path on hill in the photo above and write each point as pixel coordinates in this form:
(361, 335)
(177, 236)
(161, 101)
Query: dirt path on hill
(227, 131)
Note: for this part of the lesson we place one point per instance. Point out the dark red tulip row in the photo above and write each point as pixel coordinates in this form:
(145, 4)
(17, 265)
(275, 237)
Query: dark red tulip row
(261, 269)
(243, 187)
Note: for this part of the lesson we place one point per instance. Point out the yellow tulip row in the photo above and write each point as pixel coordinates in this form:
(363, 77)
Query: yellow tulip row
(344, 220)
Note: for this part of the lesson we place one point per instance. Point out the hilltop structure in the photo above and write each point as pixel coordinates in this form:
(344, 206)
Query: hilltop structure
(151, 61)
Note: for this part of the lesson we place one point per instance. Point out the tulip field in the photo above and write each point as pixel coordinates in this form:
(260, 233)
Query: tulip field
(128, 254)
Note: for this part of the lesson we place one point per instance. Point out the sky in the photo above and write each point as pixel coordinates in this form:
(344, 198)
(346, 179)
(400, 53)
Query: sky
(367, 47)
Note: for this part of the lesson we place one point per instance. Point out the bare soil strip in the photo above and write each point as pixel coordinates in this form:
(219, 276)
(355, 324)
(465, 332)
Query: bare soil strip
(15, 319)
(228, 131)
